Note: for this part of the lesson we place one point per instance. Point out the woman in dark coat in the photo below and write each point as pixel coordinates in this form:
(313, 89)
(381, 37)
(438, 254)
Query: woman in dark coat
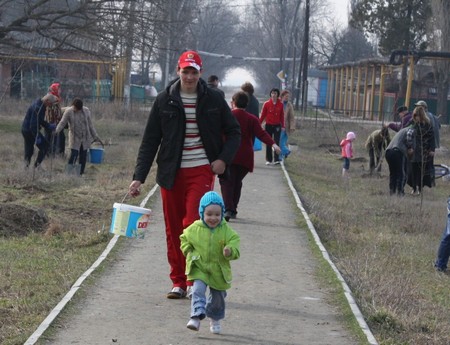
(421, 159)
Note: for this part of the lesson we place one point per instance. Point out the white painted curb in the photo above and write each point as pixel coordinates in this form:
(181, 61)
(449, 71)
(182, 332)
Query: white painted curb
(348, 293)
(60, 306)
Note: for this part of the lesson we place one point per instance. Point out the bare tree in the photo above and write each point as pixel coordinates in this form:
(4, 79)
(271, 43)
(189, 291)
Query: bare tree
(216, 30)
(439, 29)
(23, 22)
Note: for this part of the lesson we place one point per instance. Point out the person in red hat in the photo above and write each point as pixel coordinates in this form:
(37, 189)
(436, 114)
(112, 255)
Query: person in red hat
(54, 115)
(193, 136)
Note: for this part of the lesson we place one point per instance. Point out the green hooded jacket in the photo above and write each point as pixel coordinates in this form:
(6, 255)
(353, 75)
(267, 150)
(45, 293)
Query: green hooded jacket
(203, 249)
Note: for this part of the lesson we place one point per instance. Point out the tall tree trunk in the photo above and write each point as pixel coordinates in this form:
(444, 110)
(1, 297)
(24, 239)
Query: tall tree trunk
(441, 13)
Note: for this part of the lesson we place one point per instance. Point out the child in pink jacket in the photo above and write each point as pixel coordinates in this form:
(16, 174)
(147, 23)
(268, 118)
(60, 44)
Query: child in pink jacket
(347, 152)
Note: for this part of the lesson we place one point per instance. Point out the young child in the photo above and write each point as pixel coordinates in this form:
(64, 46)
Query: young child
(347, 152)
(208, 245)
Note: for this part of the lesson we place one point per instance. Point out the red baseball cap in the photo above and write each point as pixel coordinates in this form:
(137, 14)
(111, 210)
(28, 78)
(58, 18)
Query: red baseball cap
(190, 58)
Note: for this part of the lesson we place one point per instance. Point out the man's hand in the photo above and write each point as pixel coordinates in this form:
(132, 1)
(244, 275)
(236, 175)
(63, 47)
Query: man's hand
(276, 148)
(135, 188)
(218, 167)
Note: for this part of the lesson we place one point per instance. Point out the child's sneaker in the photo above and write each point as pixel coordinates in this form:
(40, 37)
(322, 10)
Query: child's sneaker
(214, 326)
(193, 324)
(189, 292)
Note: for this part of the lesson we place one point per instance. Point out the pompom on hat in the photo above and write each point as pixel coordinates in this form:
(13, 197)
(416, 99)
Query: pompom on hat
(210, 198)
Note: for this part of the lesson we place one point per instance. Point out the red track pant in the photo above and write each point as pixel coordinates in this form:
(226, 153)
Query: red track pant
(180, 207)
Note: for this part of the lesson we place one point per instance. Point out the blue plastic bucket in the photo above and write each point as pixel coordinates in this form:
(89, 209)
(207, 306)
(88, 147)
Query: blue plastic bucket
(96, 155)
(129, 221)
(257, 146)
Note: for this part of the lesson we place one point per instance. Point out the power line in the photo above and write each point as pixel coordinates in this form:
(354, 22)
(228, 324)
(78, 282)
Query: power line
(244, 58)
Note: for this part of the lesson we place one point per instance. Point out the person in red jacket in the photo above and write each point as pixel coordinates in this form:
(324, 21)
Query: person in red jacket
(243, 161)
(272, 114)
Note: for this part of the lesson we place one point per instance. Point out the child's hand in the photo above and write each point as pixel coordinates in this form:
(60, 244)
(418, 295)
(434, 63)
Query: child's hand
(226, 252)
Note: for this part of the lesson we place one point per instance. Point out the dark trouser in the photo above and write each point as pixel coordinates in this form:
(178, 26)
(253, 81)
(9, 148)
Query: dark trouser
(231, 187)
(374, 156)
(397, 171)
(274, 131)
(444, 246)
(81, 155)
(421, 174)
(29, 142)
(57, 142)
(416, 175)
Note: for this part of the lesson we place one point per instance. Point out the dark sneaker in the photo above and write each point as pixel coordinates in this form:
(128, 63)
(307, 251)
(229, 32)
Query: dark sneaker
(176, 293)
(228, 215)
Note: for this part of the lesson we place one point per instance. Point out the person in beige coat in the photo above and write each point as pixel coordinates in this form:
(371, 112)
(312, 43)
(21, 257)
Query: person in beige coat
(81, 132)
(289, 122)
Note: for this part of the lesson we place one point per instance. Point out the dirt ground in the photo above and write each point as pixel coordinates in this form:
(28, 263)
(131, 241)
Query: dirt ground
(18, 220)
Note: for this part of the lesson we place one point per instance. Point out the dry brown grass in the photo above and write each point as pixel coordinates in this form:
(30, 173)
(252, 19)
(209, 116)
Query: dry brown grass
(384, 246)
(63, 220)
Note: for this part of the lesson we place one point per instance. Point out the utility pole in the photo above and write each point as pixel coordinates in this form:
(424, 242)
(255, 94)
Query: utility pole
(282, 34)
(173, 18)
(305, 52)
(129, 54)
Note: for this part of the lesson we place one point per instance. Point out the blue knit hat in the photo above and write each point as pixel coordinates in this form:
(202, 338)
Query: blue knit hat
(210, 198)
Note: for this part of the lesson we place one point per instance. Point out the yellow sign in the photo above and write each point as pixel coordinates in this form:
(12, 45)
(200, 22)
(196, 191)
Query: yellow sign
(281, 75)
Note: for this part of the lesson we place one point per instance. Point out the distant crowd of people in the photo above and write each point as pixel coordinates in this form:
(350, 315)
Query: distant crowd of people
(47, 114)
(410, 156)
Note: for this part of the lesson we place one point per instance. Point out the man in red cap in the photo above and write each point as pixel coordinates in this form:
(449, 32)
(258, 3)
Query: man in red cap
(193, 136)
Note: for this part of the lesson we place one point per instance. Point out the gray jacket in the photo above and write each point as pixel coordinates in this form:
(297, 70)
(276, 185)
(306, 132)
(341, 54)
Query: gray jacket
(402, 141)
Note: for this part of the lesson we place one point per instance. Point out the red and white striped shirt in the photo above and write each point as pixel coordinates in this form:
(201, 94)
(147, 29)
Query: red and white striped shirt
(193, 151)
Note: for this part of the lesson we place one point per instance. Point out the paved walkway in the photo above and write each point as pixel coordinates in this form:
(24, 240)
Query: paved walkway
(274, 300)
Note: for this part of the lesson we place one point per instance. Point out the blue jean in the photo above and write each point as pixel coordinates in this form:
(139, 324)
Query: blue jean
(284, 144)
(444, 247)
(213, 307)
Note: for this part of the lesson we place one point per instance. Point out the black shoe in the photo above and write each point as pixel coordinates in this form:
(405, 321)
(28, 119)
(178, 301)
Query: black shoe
(228, 215)
(176, 293)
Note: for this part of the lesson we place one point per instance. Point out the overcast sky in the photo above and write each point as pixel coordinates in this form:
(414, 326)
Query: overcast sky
(238, 76)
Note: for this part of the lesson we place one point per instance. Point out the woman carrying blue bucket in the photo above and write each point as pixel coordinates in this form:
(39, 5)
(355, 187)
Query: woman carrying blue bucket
(81, 133)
